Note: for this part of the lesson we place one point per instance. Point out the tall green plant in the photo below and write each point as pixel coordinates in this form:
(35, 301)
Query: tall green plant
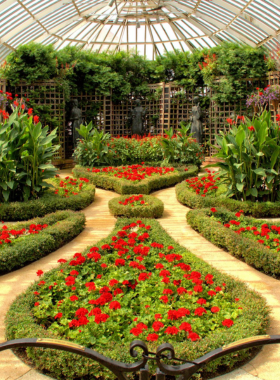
(25, 153)
(251, 159)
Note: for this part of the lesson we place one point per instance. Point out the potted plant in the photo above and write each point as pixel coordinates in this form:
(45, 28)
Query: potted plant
(272, 95)
(256, 100)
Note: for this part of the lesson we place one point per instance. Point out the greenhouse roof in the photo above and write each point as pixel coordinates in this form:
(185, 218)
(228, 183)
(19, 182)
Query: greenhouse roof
(151, 27)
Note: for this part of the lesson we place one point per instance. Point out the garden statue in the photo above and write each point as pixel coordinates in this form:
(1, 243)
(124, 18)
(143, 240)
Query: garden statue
(76, 119)
(196, 126)
(137, 118)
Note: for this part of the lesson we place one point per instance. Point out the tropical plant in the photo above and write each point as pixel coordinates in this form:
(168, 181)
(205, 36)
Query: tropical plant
(25, 153)
(251, 159)
(93, 148)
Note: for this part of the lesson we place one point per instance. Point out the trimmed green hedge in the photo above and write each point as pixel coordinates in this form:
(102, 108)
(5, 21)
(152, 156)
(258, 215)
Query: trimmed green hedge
(46, 204)
(154, 209)
(124, 186)
(63, 226)
(62, 365)
(252, 252)
(258, 210)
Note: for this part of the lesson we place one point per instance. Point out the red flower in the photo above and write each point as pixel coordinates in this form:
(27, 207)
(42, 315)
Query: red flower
(136, 331)
(164, 299)
(193, 336)
(215, 309)
(152, 337)
(101, 318)
(213, 209)
(73, 298)
(171, 330)
(114, 305)
(157, 326)
(227, 322)
(201, 301)
(200, 311)
(103, 266)
(185, 327)
(36, 304)
(39, 272)
(58, 315)
(30, 110)
(158, 316)
(119, 262)
(251, 128)
(36, 119)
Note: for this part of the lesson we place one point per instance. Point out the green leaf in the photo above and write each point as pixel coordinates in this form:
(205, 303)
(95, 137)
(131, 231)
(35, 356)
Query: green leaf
(6, 194)
(240, 136)
(254, 192)
(260, 171)
(240, 186)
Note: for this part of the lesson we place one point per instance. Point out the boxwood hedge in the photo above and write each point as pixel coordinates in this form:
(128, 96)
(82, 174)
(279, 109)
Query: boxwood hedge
(154, 209)
(123, 186)
(252, 252)
(20, 323)
(63, 226)
(46, 204)
(258, 210)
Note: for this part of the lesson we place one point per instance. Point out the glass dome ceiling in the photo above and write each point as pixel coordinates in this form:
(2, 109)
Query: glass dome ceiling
(151, 27)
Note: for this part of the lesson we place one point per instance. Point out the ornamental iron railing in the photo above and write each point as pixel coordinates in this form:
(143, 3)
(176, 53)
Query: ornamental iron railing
(164, 352)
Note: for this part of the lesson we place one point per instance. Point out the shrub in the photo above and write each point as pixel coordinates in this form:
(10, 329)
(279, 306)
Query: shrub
(62, 226)
(251, 160)
(46, 319)
(129, 207)
(243, 247)
(256, 209)
(26, 151)
(124, 186)
(49, 202)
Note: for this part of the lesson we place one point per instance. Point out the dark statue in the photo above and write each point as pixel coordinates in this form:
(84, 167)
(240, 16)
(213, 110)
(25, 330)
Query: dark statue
(136, 118)
(76, 119)
(196, 127)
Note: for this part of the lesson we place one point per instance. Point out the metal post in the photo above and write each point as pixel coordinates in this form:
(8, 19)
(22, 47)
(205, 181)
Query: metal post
(160, 375)
(144, 373)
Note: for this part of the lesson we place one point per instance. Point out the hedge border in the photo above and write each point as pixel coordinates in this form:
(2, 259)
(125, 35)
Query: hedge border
(123, 186)
(239, 246)
(258, 210)
(46, 204)
(153, 210)
(63, 227)
(62, 365)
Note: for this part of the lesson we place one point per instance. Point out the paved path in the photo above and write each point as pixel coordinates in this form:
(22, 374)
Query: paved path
(99, 223)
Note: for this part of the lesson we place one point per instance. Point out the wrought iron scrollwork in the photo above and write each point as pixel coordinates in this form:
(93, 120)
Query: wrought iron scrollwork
(164, 352)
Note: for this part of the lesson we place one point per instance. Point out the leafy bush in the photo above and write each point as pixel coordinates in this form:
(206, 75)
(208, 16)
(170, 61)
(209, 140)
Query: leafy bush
(243, 247)
(256, 209)
(124, 186)
(25, 153)
(251, 159)
(34, 315)
(49, 202)
(129, 207)
(97, 148)
(62, 226)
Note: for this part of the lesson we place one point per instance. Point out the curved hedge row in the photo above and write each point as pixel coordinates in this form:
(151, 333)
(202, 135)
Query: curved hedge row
(63, 226)
(252, 252)
(20, 322)
(154, 209)
(46, 204)
(145, 186)
(258, 210)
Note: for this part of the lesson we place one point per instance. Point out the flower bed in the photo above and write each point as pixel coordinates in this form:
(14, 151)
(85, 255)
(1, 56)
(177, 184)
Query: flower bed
(144, 206)
(140, 283)
(29, 241)
(68, 194)
(254, 241)
(134, 179)
(188, 196)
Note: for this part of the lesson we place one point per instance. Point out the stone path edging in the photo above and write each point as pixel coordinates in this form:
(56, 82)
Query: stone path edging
(99, 225)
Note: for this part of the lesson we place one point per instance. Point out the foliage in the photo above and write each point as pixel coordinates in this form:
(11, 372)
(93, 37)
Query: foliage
(60, 228)
(76, 198)
(21, 322)
(189, 198)
(243, 247)
(251, 159)
(98, 148)
(105, 180)
(25, 153)
(143, 206)
(123, 73)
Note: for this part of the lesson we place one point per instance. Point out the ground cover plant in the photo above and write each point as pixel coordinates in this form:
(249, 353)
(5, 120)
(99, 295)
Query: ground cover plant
(25, 242)
(210, 191)
(134, 284)
(145, 206)
(65, 194)
(98, 148)
(134, 179)
(252, 240)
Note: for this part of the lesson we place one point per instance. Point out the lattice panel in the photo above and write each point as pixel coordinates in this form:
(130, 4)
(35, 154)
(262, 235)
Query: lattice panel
(274, 78)
(49, 98)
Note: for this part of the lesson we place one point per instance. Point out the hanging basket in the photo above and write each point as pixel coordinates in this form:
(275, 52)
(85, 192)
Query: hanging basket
(275, 103)
(256, 108)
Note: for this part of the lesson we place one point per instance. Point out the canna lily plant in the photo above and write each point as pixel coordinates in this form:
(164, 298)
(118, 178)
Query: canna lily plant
(26, 150)
(250, 153)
